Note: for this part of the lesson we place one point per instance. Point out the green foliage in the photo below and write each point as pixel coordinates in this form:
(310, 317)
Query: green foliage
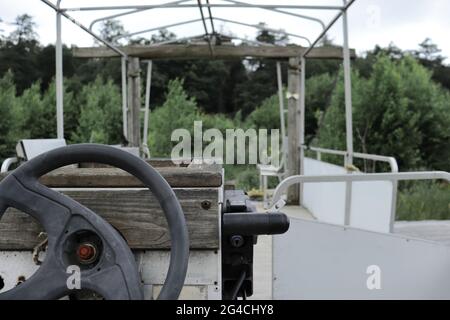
(217, 121)
(8, 115)
(319, 90)
(397, 111)
(248, 179)
(43, 109)
(213, 83)
(401, 103)
(245, 177)
(178, 112)
(259, 83)
(100, 114)
(266, 116)
(424, 201)
(431, 105)
(37, 118)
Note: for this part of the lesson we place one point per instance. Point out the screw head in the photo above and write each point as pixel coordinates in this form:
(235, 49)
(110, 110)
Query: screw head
(237, 241)
(206, 205)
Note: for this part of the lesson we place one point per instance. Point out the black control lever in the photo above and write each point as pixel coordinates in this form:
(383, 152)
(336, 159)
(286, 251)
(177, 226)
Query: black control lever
(253, 224)
(241, 226)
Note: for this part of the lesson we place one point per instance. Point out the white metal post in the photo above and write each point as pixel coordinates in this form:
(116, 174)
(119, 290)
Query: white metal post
(124, 98)
(348, 113)
(59, 77)
(147, 109)
(348, 90)
(302, 120)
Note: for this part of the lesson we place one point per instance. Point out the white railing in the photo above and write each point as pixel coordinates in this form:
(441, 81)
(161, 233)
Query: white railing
(348, 187)
(362, 177)
(7, 163)
(374, 157)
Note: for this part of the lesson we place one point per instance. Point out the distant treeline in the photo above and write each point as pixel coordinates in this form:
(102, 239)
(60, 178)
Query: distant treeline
(401, 99)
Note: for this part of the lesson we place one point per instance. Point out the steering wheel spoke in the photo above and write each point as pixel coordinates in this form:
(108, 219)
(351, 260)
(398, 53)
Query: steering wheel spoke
(45, 205)
(110, 282)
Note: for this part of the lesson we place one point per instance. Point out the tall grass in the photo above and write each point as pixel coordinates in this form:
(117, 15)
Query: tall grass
(424, 201)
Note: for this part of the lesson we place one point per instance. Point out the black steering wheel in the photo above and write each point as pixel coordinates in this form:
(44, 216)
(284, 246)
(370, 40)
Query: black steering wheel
(79, 237)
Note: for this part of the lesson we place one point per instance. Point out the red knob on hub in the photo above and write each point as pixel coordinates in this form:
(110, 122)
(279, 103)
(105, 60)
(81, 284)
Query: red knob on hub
(86, 252)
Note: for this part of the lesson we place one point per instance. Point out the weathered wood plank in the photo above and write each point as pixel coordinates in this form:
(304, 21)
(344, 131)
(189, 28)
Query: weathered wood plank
(179, 51)
(177, 177)
(154, 162)
(134, 102)
(135, 213)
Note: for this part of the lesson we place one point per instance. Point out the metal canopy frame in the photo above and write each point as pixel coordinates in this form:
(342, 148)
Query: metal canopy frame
(209, 36)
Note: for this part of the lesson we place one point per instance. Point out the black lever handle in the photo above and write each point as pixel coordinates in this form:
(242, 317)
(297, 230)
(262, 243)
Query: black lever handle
(247, 224)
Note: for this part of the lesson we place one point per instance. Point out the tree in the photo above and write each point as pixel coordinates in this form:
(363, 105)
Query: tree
(397, 111)
(266, 116)
(213, 83)
(100, 119)
(25, 29)
(161, 36)
(178, 112)
(268, 36)
(18, 53)
(319, 90)
(429, 55)
(34, 120)
(431, 104)
(429, 51)
(45, 62)
(1, 30)
(8, 124)
(111, 29)
(259, 83)
(39, 111)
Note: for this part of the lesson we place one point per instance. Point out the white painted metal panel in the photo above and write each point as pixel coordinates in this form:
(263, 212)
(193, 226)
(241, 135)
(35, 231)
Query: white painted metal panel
(326, 201)
(314, 260)
(370, 202)
(371, 205)
(203, 280)
(14, 264)
(30, 148)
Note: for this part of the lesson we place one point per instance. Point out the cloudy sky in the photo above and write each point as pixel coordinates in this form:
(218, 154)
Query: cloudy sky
(405, 23)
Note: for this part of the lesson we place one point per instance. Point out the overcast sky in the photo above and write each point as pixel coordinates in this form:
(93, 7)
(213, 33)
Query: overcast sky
(405, 23)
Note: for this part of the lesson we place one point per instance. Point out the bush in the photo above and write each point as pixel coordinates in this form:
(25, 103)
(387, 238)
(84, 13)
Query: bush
(247, 178)
(266, 116)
